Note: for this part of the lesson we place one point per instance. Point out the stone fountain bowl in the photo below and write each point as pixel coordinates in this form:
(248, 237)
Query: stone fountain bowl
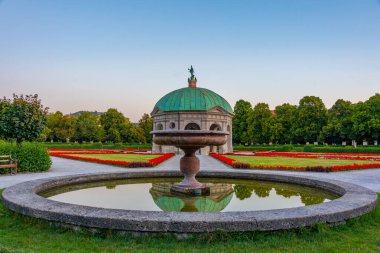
(189, 138)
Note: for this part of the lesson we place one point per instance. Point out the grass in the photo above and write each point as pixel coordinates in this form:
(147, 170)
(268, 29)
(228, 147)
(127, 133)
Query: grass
(22, 234)
(120, 157)
(295, 162)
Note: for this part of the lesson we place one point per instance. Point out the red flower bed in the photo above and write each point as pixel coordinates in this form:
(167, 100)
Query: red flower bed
(354, 166)
(222, 158)
(341, 156)
(65, 153)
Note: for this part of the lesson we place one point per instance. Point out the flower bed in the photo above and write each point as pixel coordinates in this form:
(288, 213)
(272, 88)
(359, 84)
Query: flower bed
(75, 154)
(342, 156)
(237, 164)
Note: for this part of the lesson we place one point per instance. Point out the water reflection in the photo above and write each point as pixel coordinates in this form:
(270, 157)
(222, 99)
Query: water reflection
(154, 194)
(219, 197)
(263, 190)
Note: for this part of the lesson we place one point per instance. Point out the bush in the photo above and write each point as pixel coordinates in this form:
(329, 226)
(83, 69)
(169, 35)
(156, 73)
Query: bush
(318, 169)
(31, 157)
(139, 165)
(343, 149)
(240, 165)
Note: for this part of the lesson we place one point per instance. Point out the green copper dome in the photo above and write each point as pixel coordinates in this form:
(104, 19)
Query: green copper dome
(192, 99)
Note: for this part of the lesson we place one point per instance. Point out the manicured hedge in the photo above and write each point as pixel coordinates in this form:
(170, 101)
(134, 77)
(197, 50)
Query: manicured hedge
(31, 157)
(311, 148)
(96, 145)
(342, 149)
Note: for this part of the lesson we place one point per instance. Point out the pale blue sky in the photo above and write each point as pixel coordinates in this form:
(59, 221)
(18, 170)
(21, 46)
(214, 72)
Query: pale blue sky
(92, 55)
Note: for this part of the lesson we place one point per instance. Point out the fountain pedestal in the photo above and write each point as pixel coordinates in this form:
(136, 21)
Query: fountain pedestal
(189, 141)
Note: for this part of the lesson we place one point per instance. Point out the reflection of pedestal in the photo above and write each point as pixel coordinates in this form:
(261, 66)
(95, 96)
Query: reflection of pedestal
(216, 197)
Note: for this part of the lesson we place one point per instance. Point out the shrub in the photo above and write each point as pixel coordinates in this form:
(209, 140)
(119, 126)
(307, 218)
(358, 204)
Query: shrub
(139, 165)
(240, 165)
(31, 157)
(318, 169)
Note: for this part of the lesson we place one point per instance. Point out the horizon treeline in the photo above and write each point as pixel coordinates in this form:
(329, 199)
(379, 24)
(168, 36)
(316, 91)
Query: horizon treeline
(308, 122)
(110, 126)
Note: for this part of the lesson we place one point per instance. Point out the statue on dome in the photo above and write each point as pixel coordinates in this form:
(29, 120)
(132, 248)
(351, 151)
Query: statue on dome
(191, 70)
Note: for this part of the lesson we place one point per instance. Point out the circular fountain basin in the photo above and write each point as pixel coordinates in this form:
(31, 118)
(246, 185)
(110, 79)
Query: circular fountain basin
(330, 202)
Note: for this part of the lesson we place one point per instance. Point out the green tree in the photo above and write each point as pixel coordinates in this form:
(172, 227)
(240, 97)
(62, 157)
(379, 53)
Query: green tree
(310, 118)
(340, 125)
(146, 124)
(259, 124)
(61, 127)
(87, 128)
(114, 124)
(284, 115)
(23, 118)
(242, 110)
(366, 119)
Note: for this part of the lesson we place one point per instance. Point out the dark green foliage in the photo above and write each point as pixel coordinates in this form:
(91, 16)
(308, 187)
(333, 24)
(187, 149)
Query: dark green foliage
(366, 119)
(284, 117)
(310, 118)
(260, 123)
(87, 128)
(60, 127)
(343, 149)
(240, 165)
(97, 145)
(31, 157)
(243, 191)
(308, 122)
(242, 110)
(22, 119)
(118, 129)
(318, 169)
(146, 124)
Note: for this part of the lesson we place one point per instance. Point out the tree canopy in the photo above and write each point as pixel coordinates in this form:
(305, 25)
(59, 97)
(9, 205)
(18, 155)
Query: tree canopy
(22, 118)
(307, 122)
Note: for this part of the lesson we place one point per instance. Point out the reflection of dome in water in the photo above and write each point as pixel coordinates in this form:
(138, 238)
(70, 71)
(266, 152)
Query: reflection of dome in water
(169, 202)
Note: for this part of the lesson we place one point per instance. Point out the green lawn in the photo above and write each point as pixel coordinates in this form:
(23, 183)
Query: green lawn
(120, 157)
(295, 162)
(23, 234)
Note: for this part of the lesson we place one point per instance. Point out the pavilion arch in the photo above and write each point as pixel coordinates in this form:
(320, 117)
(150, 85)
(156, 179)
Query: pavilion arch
(192, 126)
(215, 127)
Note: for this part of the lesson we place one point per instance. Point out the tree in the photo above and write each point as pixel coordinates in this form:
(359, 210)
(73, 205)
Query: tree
(118, 128)
(366, 119)
(310, 118)
(259, 123)
(340, 126)
(114, 124)
(87, 128)
(146, 124)
(242, 110)
(23, 118)
(284, 115)
(61, 127)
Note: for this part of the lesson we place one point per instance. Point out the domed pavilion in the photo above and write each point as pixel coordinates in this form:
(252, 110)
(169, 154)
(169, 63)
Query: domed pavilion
(193, 108)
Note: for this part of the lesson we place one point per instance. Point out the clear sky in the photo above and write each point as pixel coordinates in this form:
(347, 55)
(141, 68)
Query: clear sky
(93, 55)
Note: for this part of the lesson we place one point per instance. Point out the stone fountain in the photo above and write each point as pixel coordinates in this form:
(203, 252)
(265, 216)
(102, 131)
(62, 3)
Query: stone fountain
(189, 141)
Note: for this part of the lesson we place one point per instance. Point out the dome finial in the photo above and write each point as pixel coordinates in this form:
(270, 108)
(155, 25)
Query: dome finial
(192, 79)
